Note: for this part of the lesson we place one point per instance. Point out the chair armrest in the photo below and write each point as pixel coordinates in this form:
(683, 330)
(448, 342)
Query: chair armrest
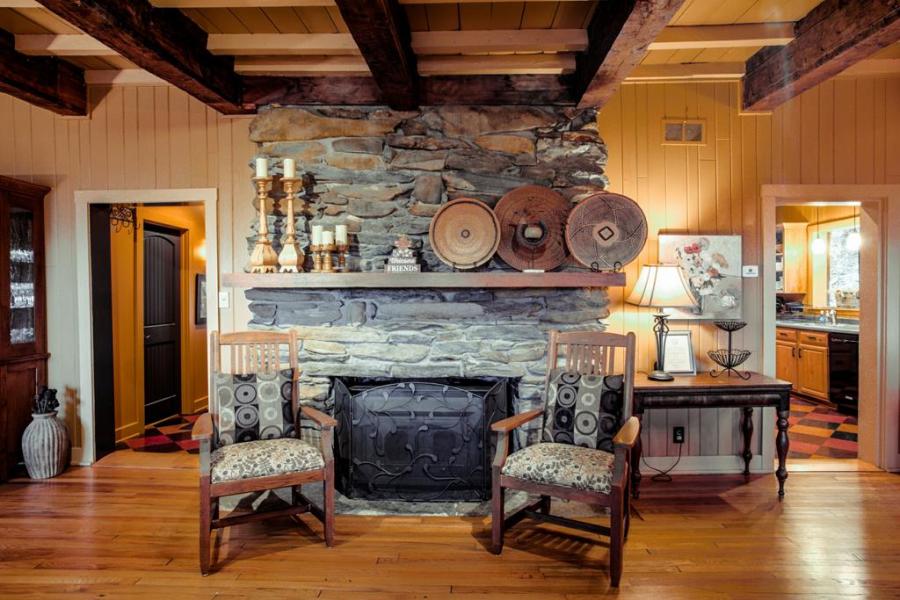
(318, 417)
(203, 428)
(628, 434)
(510, 423)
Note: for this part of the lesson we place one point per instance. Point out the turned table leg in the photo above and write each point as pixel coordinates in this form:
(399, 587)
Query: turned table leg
(781, 445)
(747, 429)
(636, 452)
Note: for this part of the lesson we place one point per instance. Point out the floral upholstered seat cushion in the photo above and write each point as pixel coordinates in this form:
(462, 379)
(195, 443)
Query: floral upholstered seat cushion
(565, 465)
(255, 406)
(585, 410)
(262, 458)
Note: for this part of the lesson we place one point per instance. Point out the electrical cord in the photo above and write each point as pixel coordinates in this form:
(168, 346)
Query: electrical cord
(663, 474)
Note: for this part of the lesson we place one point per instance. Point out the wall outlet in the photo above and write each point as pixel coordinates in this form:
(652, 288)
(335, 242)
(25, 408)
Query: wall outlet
(678, 435)
(750, 270)
(224, 300)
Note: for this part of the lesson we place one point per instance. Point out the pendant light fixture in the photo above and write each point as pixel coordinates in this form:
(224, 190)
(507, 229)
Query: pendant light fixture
(854, 239)
(818, 244)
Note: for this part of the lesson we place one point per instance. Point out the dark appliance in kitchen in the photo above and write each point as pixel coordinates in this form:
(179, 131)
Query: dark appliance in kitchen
(843, 363)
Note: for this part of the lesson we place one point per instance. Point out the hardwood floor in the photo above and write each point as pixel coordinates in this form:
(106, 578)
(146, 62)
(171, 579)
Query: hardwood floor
(125, 532)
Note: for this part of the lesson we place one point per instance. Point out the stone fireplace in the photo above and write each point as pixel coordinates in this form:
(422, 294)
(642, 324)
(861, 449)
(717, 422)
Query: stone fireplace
(385, 173)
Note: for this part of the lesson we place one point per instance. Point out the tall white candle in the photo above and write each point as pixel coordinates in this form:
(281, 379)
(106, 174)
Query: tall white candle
(340, 234)
(290, 168)
(327, 237)
(262, 167)
(316, 235)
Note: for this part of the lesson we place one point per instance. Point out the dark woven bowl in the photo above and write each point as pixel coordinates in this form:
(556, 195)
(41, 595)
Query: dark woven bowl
(730, 325)
(729, 360)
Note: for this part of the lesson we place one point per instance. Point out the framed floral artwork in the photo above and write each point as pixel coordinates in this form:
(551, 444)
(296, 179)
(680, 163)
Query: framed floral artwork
(712, 264)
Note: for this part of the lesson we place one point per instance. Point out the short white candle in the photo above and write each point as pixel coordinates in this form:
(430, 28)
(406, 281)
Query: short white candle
(340, 234)
(290, 168)
(262, 167)
(327, 237)
(316, 235)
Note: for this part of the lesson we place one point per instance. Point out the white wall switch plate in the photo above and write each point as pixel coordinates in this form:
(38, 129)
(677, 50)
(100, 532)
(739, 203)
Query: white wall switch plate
(224, 300)
(751, 270)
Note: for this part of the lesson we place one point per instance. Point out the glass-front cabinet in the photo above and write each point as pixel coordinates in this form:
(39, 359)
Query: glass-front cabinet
(23, 318)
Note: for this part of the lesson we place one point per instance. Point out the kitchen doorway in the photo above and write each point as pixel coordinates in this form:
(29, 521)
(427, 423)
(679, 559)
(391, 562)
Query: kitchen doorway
(875, 211)
(817, 287)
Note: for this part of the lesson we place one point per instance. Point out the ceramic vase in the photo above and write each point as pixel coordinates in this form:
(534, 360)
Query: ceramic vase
(45, 446)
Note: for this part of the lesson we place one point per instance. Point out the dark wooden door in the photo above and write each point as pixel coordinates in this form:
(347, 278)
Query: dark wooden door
(162, 335)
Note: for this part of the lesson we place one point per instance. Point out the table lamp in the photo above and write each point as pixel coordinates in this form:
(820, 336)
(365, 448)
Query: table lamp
(661, 286)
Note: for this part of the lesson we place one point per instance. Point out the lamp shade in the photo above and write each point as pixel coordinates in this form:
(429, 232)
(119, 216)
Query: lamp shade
(664, 286)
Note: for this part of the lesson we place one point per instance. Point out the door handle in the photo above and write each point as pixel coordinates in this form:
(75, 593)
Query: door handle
(799, 352)
(147, 337)
(793, 352)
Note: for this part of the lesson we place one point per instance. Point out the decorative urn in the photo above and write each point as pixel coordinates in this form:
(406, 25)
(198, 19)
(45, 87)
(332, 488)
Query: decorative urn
(45, 443)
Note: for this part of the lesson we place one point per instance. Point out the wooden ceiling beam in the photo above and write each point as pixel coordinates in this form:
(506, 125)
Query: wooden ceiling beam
(741, 35)
(503, 64)
(618, 36)
(281, 44)
(832, 37)
(51, 44)
(439, 90)
(301, 65)
(164, 42)
(502, 40)
(693, 71)
(47, 82)
(381, 32)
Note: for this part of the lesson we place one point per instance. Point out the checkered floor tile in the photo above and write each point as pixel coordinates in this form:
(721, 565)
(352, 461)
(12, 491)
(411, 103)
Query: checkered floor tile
(173, 435)
(817, 431)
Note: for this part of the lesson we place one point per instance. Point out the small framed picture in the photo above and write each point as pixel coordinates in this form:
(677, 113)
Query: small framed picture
(679, 356)
(200, 300)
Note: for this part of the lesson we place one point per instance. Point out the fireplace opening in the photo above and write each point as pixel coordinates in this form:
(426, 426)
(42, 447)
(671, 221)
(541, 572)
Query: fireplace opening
(417, 439)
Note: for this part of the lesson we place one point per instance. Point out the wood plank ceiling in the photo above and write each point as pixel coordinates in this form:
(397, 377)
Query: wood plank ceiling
(530, 51)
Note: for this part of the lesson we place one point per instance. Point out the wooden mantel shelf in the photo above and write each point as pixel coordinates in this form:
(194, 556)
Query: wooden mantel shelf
(381, 280)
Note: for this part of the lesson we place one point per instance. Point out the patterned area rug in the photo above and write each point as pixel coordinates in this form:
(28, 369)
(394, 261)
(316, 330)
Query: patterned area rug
(817, 431)
(173, 435)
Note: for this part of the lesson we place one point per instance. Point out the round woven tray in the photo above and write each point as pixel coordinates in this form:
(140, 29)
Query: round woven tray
(606, 231)
(532, 228)
(464, 233)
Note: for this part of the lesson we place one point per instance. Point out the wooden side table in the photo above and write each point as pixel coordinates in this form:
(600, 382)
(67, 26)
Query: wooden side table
(706, 391)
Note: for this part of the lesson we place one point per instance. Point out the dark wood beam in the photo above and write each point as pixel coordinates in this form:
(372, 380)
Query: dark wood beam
(381, 31)
(431, 91)
(44, 81)
(618, 36)
(833, 36)
(162, 41)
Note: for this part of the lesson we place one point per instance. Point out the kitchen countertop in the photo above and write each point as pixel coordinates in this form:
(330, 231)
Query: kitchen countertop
(816, 326)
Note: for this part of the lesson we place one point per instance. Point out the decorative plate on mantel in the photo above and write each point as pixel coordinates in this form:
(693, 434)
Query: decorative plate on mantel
(606, 231)
(464, 233)
(532, 228)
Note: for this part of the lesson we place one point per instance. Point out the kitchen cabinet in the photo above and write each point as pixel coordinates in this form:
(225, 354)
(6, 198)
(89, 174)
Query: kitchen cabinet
(791, 258)
(801, 357)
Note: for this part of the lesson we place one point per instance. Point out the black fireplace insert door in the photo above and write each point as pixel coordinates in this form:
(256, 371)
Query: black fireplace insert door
(426, 440)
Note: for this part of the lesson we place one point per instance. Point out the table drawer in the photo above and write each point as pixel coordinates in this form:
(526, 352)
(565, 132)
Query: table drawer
(812, 338)
(786, 335)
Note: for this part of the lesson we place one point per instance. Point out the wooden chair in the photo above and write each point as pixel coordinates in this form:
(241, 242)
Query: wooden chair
(253, 353)
(587, 353)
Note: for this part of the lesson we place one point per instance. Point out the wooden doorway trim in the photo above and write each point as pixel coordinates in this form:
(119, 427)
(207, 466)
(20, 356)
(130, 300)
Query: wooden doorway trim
(208, 197)
(879, 402)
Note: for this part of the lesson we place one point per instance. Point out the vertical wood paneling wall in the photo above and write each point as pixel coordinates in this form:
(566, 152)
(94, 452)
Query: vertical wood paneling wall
(845, 131)
(136, 137)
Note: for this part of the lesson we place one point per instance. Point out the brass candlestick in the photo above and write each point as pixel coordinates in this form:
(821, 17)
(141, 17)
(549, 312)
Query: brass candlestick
(291, 257)
(327, 264)
(316, 250)
(343, 251)
(263, 259)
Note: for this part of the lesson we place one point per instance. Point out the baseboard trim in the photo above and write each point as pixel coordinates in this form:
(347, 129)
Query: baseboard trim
(705, 464)
(77, 458)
